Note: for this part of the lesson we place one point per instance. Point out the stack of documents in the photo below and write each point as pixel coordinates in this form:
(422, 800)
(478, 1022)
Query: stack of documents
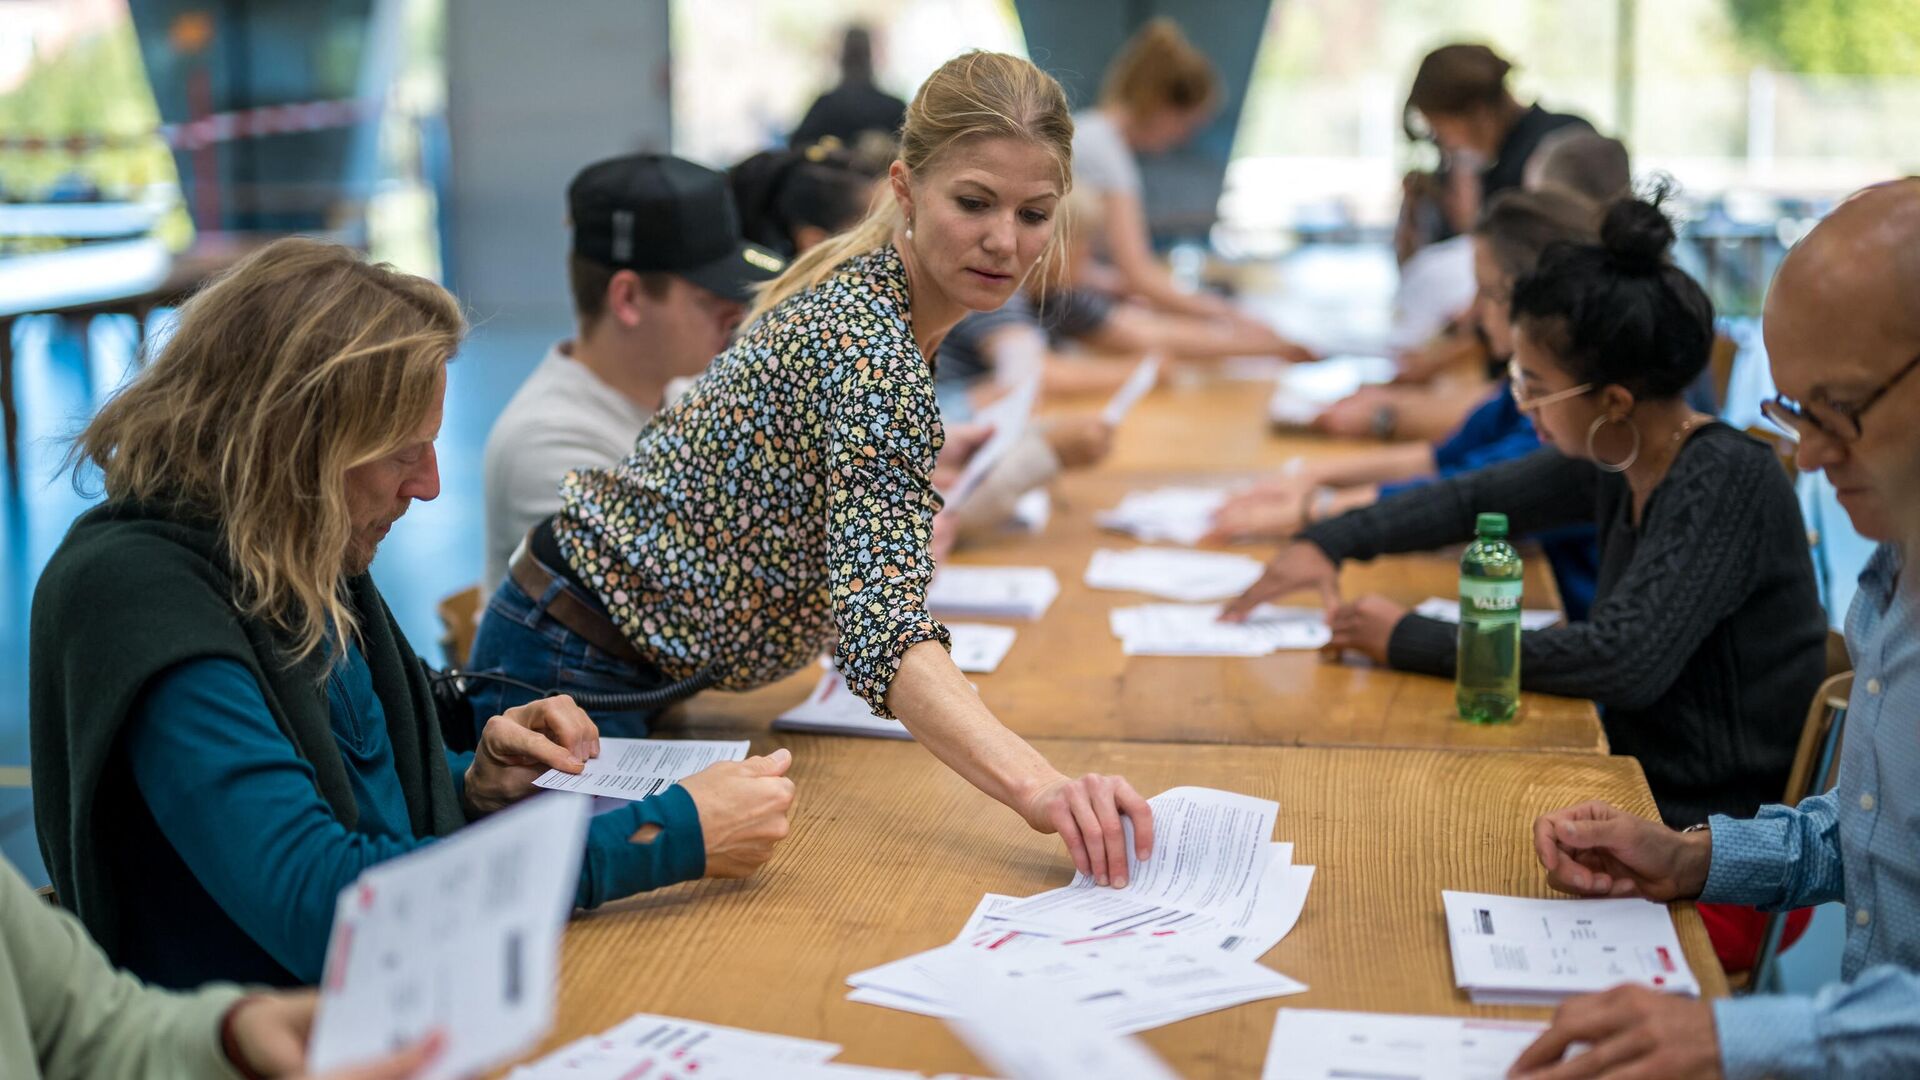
(1180, 940)
(1175, 515)
(1513, 951)
(667, 1048)
(441, 940)
(1173, 573)
(993, 592)
(1314, 1044)
(1196, 630)
(1448, 611)
(636, 768)
(1030, 1030)
(1302, 392)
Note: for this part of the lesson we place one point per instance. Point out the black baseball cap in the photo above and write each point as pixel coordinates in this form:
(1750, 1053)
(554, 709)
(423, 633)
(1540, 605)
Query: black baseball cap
(655, 213)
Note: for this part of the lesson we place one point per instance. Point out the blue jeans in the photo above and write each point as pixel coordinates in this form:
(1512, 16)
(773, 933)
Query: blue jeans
(518, 639)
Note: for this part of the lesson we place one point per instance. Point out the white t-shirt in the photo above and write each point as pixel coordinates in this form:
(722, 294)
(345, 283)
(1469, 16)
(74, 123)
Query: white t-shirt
(561, 419)
(1102, 161)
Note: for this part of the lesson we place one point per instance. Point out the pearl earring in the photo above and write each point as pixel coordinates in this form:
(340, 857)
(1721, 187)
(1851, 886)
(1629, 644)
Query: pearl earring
(909, 230)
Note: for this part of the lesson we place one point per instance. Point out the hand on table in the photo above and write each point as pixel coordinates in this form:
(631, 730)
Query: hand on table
(1079, 441)
(1365, 626)
(1273, 511)
(1086, 813)
(744, 807)
(520, 744)
(1631, 1033)
(1594, 849)
(1353, 416)
(1298, 567)
(271, 1030)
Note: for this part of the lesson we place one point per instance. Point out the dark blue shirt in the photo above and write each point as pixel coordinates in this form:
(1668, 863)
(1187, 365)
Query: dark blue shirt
(236, 863)
(1498, 431)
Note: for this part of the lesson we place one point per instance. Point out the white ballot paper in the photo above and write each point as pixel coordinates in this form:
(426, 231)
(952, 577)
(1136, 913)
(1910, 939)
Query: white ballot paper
(1315, 1044)
(994, 592)
(461, 936)
(661, 1047)
(1210, 849)
(1174, 515)
(1196, 630)
(1131, 391)
(1448, 611)
(1509, 950)
(1032, 512)
(1029, 1031)
(1009, 417)
(1302, 392)
(979, 647)
(832, 709)
(636, 768)
(1173, 573)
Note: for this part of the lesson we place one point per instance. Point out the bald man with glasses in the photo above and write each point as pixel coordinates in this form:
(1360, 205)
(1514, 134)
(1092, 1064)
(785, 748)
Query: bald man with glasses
(1843, 333)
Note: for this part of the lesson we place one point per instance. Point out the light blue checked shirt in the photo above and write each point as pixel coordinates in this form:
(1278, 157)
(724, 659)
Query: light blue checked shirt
(1859, 843)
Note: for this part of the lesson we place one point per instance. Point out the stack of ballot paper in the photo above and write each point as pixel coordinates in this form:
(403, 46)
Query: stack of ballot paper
(993, 592)
(441, 940)
(1448, 611)
(668, 1048)
(637, 768)
(1180, 940)
(1302, 392)
(1175, 515)
(1314, 1044)
(1513, 951)
(1173, 573)
(832, 709)
(1196, 630)
(1031, 1030)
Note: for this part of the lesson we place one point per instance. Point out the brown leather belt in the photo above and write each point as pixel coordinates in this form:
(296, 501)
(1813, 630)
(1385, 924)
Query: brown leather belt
(570, 611)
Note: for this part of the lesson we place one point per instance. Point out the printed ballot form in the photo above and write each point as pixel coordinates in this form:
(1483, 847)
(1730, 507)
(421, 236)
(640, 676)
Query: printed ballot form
(1028, 1031)
(1196, 630)
(636, 768)
(1175, 515)
(832, 709)
(993, 592)
(1513, 951)
(461, 936)
(1210, 849)
(1173, 573)
(1316, 1044)
(1009, 417)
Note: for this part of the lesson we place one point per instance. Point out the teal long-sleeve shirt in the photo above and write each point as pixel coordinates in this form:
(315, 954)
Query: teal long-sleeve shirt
(244, 885)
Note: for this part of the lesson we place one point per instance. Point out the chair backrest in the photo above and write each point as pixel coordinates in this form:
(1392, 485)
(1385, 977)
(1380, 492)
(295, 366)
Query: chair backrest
(1838, 658)
(460, 622)
(1818, 757)
(1782, 448)
(1720, 366)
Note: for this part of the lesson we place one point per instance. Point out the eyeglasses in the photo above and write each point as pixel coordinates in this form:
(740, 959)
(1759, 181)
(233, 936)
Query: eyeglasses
(1835, 420)
(1530, 404)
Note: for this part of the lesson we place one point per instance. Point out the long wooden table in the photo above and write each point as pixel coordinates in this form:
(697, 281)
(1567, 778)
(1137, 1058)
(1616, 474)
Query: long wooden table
(1379, 788)
(891, 851)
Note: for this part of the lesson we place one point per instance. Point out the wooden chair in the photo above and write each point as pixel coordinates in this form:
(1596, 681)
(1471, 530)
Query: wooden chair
(1720, 367)
(1816, 764)
(460, 623)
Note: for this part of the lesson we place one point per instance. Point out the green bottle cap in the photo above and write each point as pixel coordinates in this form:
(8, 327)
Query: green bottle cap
(1492, 526)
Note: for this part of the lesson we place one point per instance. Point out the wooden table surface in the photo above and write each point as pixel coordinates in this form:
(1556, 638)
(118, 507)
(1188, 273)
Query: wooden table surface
(890, 852)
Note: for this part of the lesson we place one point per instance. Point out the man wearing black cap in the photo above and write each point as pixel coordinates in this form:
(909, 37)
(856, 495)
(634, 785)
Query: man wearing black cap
(660, 278)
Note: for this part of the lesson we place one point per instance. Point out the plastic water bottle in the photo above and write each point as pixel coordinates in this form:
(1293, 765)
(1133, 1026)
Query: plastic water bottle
(1486, 683)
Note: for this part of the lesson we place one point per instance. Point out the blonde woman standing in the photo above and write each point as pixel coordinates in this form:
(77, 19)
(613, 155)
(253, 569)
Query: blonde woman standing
(784, 506)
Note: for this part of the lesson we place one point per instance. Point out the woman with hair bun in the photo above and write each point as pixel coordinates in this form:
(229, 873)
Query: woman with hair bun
(1706, 638)
(783, 507)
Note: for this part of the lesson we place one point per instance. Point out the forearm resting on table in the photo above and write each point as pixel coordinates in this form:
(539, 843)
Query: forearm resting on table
(1400, 461)
(932, 698)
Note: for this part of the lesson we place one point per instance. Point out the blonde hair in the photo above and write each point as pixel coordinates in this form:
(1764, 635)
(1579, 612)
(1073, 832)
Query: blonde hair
(976, 95)
(1158, 68)
(298, 364)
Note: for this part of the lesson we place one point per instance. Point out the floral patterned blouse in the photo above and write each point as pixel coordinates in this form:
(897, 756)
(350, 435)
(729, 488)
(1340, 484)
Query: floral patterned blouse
(783, 500)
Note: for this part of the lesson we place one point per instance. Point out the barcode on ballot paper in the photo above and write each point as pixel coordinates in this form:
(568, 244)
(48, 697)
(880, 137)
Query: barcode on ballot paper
(1483, 921)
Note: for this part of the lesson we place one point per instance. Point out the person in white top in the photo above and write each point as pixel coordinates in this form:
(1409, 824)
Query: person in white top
(660, 278)
(1158, 92)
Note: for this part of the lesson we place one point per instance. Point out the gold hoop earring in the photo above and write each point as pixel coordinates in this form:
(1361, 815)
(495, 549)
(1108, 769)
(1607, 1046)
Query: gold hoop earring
(1594, 455)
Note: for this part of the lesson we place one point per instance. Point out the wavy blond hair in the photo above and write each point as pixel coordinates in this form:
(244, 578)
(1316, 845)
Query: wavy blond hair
(298, 364)
(976, 95)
